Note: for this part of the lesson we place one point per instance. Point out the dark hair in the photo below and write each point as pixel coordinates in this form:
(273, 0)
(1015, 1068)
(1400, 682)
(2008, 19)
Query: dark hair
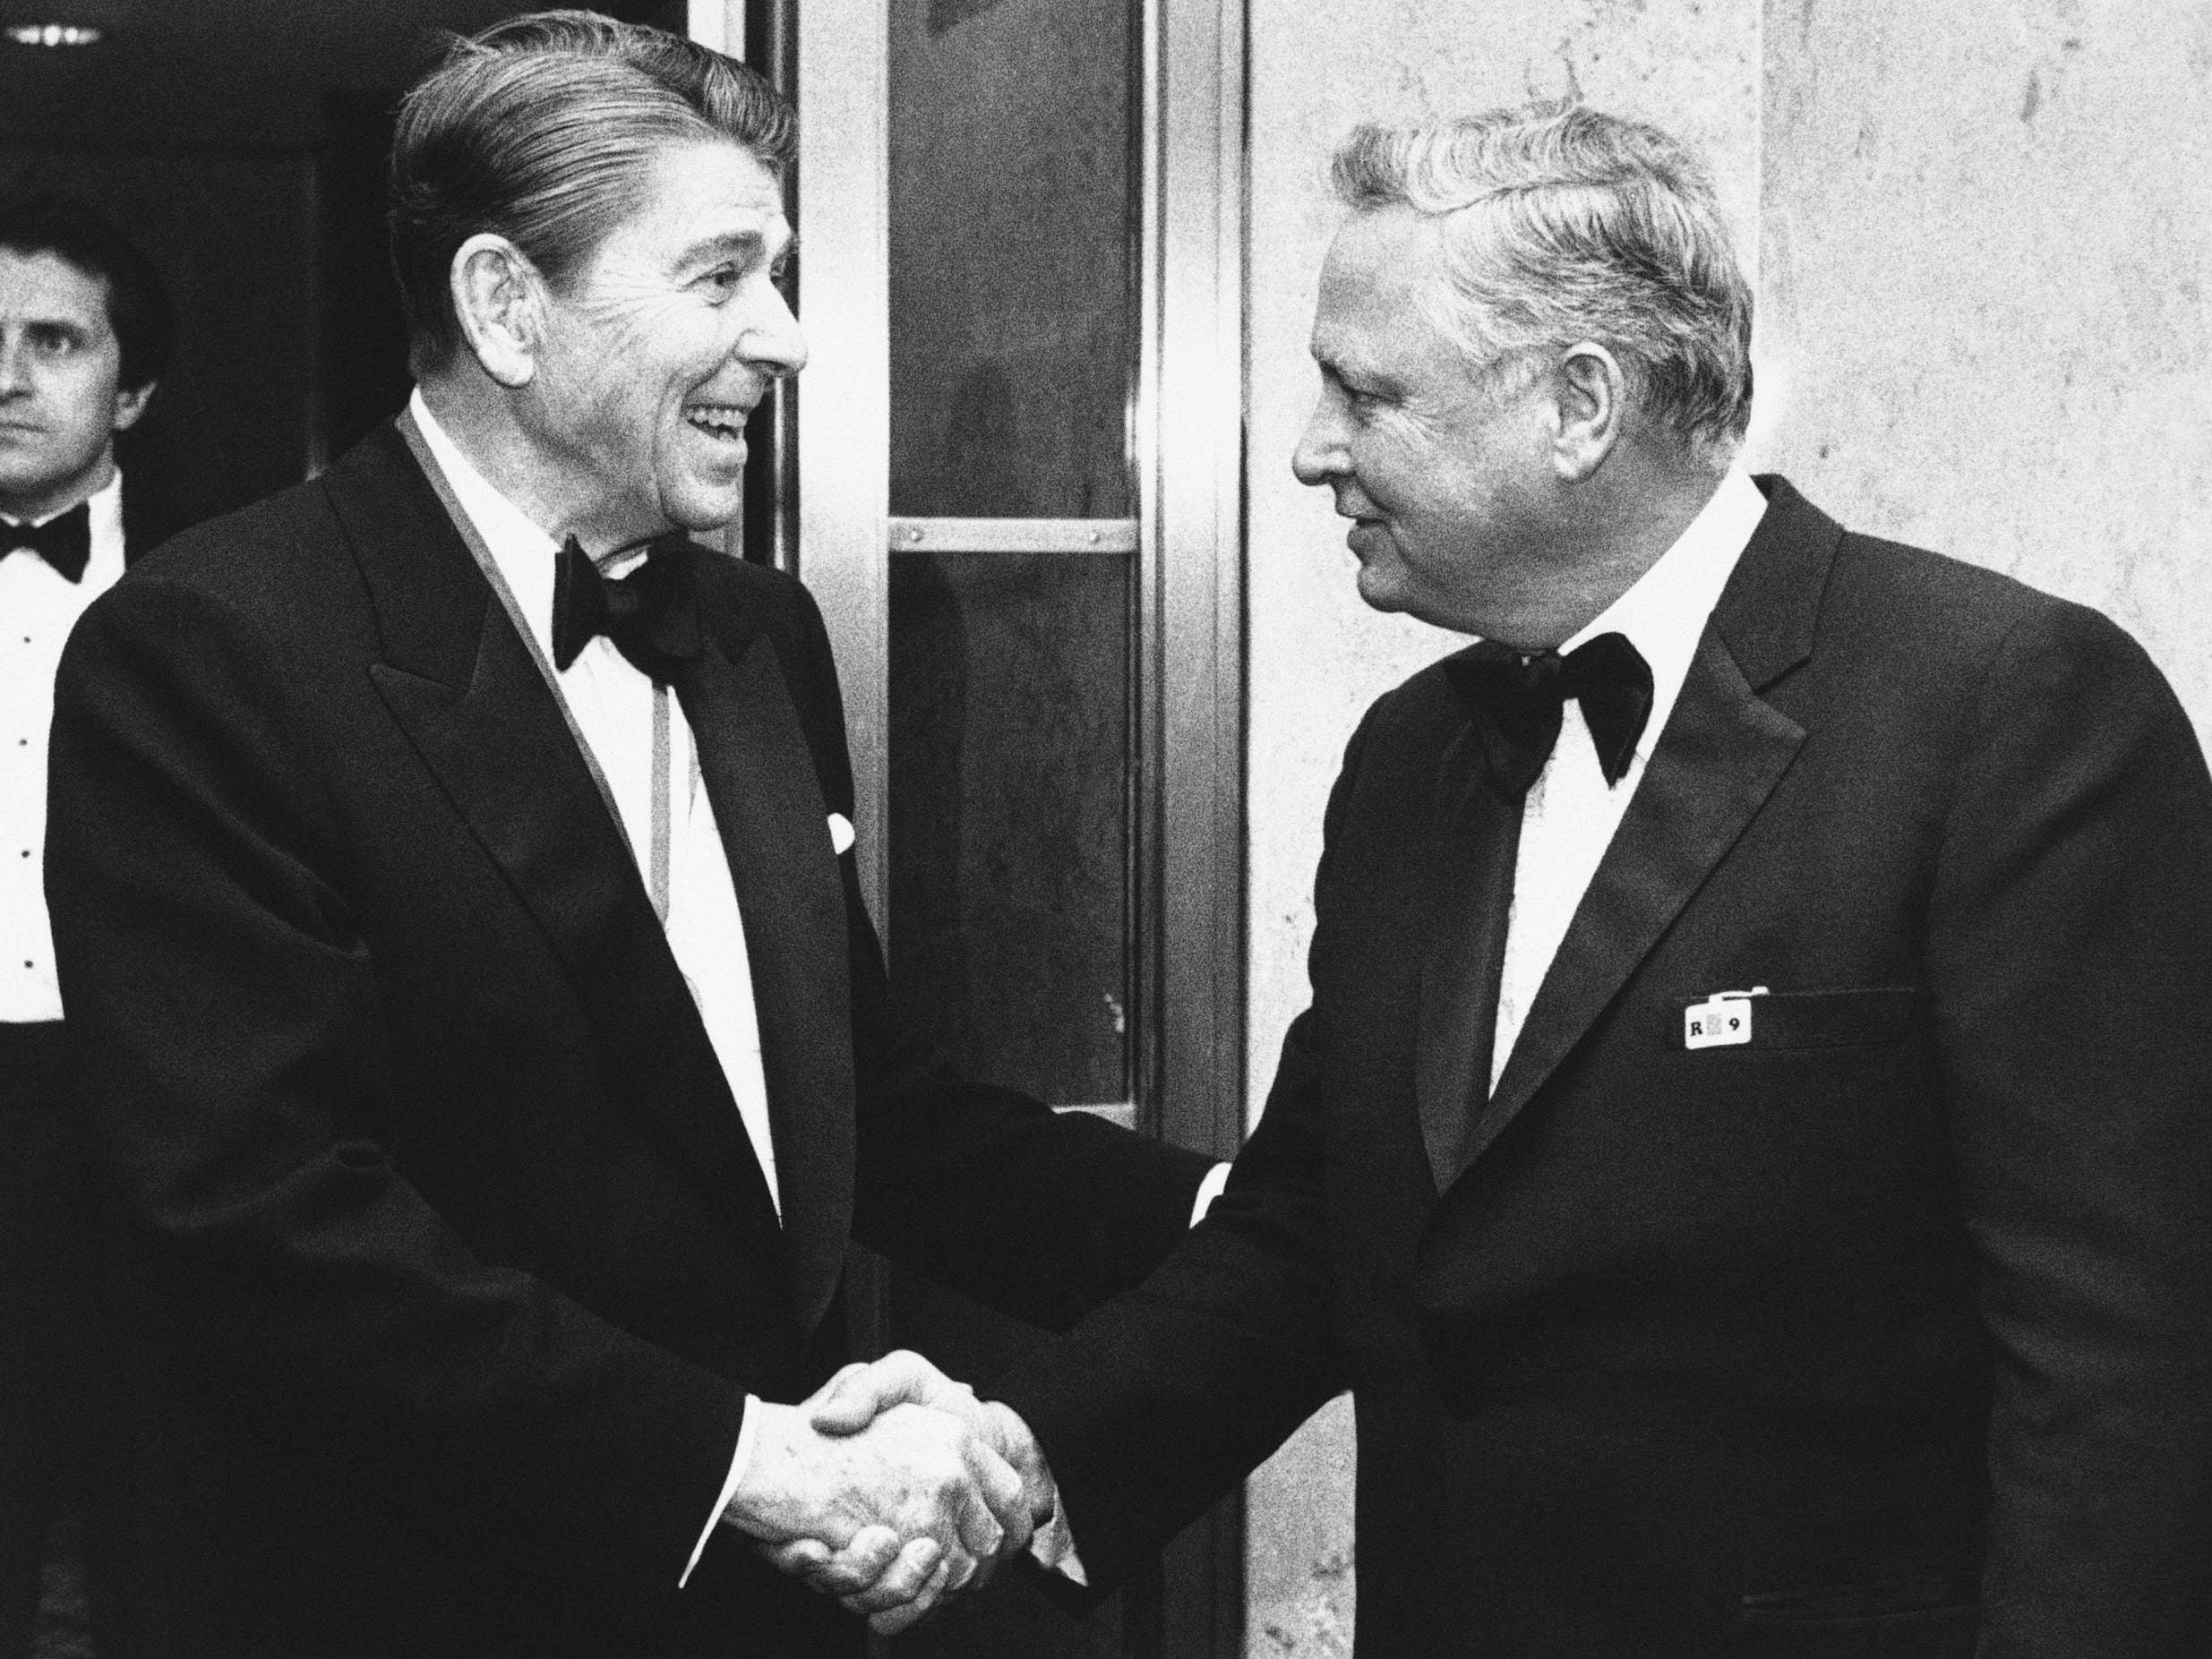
(138, 305)
(539, 130)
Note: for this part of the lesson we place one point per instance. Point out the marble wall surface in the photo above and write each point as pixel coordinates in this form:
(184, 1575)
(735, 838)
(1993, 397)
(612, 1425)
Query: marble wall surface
(1983, 239)
(1987, 292)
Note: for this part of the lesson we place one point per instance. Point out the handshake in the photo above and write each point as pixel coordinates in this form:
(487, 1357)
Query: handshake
(893, 1488)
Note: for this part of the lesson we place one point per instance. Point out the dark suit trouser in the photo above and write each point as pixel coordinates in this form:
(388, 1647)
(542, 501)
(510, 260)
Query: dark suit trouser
(61, 1455)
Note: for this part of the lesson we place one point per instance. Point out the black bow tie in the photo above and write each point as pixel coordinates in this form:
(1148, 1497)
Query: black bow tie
(64, 542)
(1516, 703)
(651, 615)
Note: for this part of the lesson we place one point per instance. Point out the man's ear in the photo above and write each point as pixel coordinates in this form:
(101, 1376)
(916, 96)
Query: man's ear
(497, 296)
(1592, 391)
(131, 403)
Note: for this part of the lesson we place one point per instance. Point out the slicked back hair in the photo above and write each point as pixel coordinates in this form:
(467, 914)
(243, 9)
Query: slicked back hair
(1562, 224)
(138, 305)
(541, 129)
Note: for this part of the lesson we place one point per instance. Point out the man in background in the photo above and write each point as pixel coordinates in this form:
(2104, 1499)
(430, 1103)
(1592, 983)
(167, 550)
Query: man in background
(84, 334)
(1749, 1152)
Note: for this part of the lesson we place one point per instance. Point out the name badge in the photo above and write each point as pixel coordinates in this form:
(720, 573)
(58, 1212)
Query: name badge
(1722, 1021)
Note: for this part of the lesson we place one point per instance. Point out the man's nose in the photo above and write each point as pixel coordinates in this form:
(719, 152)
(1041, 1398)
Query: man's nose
(14, 367)
(1319, 455)
(774, 342)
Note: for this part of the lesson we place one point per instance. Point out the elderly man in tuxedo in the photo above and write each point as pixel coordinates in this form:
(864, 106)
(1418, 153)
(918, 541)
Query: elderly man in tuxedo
(84, 334)
(1749, 1152)
(452, 882)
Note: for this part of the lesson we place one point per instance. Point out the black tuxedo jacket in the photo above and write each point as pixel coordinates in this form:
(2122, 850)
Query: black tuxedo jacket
(1885, 1332)
(455, 1262)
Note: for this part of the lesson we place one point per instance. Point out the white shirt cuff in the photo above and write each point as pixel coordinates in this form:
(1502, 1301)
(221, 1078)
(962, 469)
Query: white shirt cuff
(1053, 1548)
(1209, 1189)
(740, 1460)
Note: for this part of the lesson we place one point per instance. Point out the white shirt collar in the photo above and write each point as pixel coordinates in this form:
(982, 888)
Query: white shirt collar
(104, 528)
(1665, 610)
(521, 551)
(104, 506)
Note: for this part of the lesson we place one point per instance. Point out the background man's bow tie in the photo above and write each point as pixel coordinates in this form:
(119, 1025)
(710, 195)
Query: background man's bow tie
(1516, 703)
(651, 615)
(65, 541)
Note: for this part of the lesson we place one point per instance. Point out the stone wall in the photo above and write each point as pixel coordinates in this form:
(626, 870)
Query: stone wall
(1987, 261)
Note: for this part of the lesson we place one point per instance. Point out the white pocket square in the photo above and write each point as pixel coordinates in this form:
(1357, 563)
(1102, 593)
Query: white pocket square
(840, 833)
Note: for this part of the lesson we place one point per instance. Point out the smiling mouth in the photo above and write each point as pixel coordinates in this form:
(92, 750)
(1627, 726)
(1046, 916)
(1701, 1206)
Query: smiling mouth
(724, 422)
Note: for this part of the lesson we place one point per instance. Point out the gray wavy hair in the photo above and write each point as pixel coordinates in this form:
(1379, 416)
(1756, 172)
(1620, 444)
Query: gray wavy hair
(1563, 224)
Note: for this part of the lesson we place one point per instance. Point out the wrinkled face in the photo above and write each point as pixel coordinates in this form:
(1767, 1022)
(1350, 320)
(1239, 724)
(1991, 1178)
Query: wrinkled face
(60, 405)
(1443, 468)
(662, 343)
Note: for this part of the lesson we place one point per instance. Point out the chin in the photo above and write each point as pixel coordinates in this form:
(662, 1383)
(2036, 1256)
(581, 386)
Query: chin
(1379, 592)
(24, 483)
(703, 512)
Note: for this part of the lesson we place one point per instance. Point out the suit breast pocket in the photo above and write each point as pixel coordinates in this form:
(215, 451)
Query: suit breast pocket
(1763, 1019)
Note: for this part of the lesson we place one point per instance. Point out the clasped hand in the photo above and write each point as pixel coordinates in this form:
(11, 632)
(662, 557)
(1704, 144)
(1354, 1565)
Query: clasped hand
(892, 1488)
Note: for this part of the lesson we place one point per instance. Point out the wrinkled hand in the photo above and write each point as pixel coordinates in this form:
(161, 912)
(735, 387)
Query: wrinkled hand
(853, 1398)
(866, 1573)
(889, 1516)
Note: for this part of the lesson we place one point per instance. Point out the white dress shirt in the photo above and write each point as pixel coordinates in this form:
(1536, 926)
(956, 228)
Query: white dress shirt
(1571, 813)
(38, 607)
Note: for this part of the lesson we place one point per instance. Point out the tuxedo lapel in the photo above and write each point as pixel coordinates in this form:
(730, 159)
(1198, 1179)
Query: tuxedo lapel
(1476, 831)
(465, 687)
(1722, 753)
(769, 807)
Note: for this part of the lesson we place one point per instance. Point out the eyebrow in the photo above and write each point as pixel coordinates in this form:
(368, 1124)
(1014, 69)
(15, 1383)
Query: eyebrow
(747, 243)
(1351, 376)
(67, 328)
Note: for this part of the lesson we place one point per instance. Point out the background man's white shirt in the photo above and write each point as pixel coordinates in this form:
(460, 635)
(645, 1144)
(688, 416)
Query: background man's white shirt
(38, 606)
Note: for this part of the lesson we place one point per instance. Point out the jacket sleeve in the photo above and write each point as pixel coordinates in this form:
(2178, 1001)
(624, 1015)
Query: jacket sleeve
(2069, 952)
(237, 1068)
(1154, 1407)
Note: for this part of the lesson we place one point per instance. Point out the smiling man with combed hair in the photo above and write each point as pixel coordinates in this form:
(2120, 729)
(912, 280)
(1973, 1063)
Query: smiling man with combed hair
(453, 883)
